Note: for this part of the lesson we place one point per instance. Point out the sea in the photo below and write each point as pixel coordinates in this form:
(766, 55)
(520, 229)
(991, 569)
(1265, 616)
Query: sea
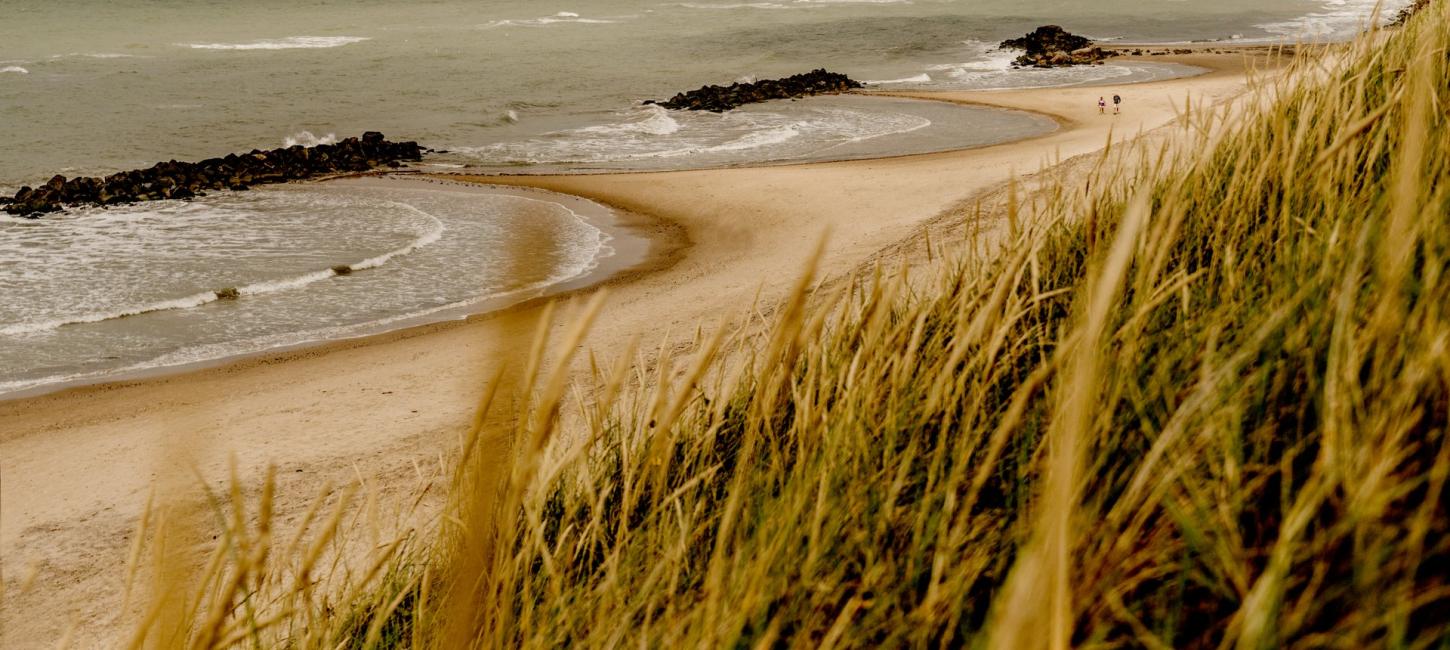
(90, 87)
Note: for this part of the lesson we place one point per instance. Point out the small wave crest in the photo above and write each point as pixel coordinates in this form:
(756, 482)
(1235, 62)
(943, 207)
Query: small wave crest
(792, 4)
(430, 236)
(753, 140)
(307, 139)
(657, 122)
(94, 55)
(14, 69)
(563, 17)
(735, 5)
(289, 43)
(983, 57)
(918, 79)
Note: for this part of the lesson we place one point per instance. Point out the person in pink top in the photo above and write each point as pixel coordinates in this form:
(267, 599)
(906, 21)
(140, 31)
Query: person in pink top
(1102, 106)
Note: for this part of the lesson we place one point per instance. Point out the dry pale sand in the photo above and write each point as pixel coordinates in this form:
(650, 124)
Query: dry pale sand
(78, 465)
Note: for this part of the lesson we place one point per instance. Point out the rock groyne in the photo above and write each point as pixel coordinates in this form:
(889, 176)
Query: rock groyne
(718, 99)
(183, 180)
(1051, 46)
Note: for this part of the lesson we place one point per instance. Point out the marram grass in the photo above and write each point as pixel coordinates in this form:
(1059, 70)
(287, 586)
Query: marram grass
(1200, 400)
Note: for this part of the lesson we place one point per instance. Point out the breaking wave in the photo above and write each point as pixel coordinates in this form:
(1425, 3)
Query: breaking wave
(1337, 19)
(307, 139)
(563, 17)
(433, 234)
(737, 5)
(918, 79)
(289, 43)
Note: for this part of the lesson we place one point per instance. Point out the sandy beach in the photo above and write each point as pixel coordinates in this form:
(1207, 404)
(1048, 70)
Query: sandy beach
(77, 466)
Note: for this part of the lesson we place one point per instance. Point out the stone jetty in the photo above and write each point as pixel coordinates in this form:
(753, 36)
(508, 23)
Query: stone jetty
(718, 99)
(1051, 46)
(183, 180)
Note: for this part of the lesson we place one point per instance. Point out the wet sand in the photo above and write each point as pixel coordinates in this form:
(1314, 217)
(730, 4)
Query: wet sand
(78, 465)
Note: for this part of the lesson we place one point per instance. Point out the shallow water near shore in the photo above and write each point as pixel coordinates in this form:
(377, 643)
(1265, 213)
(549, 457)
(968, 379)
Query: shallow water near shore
(814, 129)
(173, 283)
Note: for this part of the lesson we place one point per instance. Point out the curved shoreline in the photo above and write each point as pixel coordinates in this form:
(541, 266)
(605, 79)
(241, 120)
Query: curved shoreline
(639, 242)
(79, 463)
(622, 222)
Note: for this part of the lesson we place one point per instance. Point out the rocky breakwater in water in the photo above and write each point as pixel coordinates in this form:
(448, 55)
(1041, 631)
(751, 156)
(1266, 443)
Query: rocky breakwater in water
(718, 99)
(183, 180)
(1051, 46)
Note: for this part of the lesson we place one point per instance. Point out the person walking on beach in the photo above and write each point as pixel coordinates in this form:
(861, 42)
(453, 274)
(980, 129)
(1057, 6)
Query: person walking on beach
(1117, 104)
(1102, 106)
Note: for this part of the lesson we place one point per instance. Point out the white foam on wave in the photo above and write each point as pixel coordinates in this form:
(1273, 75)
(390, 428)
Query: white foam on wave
(430, 236)
(14, 69)
(1047, 77)
(658, 122)
(289, 43)
(185, 302)
(736, 5)
(918, 79)
(307, 139)
(94, 55)
(753, 140)
(984, 57)
(1336, 19)
(653, 133)
(563, 17)
(990, 68)
(790, 4)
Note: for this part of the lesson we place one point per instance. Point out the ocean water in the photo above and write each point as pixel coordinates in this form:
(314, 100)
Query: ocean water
(142, 286)
(95, 86)
(90, 86)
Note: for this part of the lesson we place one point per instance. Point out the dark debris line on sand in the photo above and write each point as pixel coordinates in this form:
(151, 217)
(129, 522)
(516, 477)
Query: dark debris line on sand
(181, 180)
(718, 99)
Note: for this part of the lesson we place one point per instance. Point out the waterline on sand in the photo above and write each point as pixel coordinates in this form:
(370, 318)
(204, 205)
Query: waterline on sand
(471, 249)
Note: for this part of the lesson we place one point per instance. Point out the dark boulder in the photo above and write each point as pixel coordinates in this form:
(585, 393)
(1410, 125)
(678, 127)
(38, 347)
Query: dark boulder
(1052, 46)
(718, 99)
